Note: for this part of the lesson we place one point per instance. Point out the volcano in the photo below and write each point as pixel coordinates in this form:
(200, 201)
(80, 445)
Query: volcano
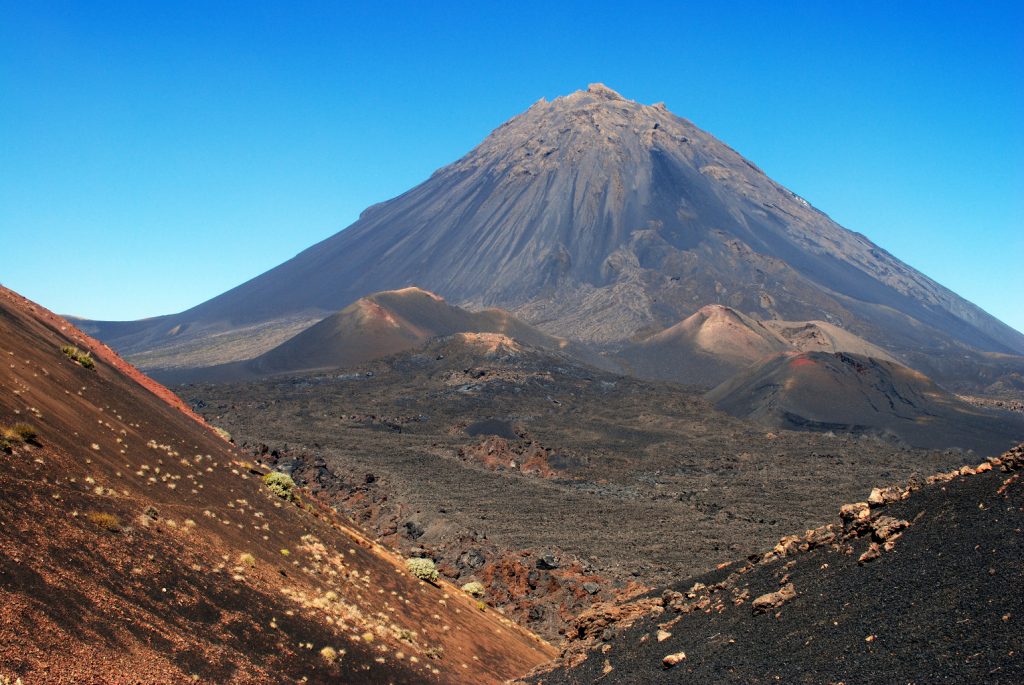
(852, 393)
(598, 219)
(370, 328)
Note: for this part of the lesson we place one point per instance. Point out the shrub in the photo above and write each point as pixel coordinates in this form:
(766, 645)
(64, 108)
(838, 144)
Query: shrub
(329, 654)
(78, 356)
(281, 484)
(26, 432)
(474, 588)
(246, 559)
(423, 569)
(17, 434)
(106, 521)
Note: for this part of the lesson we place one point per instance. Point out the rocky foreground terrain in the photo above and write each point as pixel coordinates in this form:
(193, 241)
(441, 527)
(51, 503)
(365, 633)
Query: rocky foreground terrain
(138, 546)
(920, 583)
(554, 484)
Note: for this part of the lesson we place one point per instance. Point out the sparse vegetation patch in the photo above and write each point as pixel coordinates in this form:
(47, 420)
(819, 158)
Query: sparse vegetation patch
(105, 520)
(18, 434)
(281, 484)
(79, 356)
(424, 569)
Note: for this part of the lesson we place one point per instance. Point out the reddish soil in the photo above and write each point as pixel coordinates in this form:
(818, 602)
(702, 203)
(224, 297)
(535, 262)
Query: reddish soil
(136, 547)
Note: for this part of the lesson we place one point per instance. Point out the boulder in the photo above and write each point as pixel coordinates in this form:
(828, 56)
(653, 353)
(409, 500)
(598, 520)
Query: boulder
(773, 600)
(872, 553)
(887, 527)
(547, 562)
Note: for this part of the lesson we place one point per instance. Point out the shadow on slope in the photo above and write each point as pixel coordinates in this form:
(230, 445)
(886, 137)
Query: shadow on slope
(851, 393)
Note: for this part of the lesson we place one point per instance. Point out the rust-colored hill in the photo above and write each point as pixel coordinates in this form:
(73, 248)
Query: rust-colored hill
(717, 342)
(852, 393)
(705, 348)
(136, 548)
(386, 323)
(376, 326)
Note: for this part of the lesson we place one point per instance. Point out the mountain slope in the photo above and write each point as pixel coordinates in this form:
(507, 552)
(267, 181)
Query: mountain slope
(705, 348)
(137, 546)
(717, 342)
(850, 392)
(376, 326)
(917, 585)
(593, 217)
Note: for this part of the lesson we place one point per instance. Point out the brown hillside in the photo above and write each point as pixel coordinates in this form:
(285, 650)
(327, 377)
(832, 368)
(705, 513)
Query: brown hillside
(705, 348)
(852, 393)
(135, 547)
(717, 342)
(376, 326)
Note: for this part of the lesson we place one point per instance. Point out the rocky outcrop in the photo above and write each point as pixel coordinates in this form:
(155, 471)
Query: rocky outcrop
(861, 524)
(774, 600)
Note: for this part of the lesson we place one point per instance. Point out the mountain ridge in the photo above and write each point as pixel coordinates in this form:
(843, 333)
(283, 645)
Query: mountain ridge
(596, 217)
(373, 327)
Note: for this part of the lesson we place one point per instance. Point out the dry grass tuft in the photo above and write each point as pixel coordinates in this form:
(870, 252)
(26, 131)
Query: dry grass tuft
(105, 520)
(18, 434)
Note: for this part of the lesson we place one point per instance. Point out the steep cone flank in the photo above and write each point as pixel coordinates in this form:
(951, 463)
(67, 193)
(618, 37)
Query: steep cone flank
(716, 342)
(136, 546)
(370, 328)
(386, 323)
(849, 392)
(595, 217)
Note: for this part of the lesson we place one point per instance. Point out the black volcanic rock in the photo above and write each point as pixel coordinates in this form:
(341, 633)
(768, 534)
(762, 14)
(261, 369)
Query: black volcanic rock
(940, 604)
(595, 218)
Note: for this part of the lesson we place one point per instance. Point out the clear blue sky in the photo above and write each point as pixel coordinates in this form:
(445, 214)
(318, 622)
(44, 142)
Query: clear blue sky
(155, 154)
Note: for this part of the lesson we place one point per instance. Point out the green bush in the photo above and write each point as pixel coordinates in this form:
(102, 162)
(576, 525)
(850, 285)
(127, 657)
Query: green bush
(281, 484)
(423, 569)
(78, 356)
(474, 588)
